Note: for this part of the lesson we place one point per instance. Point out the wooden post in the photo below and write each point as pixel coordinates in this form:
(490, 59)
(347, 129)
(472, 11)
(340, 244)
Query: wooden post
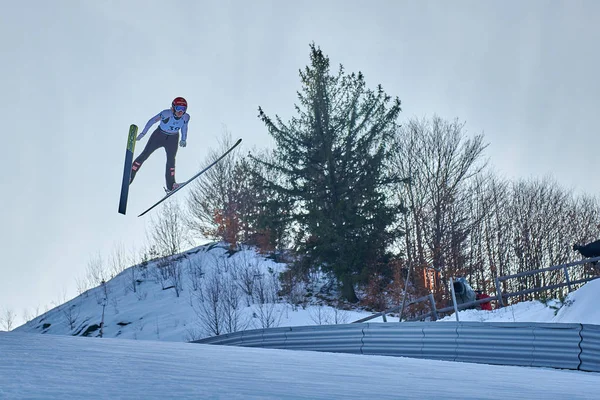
(104, 302)
(567, 278)
(454, 299)
(499, 292)
(433, 309)
(405, 292)
(102, 322)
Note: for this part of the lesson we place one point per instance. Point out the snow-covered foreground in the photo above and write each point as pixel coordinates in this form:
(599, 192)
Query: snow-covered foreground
(160, 365)
(34, 366)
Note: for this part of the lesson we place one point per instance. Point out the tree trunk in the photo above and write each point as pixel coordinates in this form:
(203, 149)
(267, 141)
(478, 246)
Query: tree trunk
(348, 292)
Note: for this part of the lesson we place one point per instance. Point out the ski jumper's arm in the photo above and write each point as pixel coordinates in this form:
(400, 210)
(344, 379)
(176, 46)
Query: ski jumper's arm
(186, 119)
(149, 124)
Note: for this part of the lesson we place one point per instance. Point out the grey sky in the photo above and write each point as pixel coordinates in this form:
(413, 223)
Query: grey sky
(75, 74)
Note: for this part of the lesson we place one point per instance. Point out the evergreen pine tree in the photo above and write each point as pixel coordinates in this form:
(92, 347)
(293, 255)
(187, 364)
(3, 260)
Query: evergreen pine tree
(334, 157)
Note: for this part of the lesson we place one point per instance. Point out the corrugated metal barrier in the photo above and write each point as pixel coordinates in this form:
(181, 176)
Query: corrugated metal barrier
(590, 348)
(567, 346)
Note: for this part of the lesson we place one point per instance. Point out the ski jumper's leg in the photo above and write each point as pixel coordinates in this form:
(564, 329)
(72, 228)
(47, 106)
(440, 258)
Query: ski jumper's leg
(156, 140)
(171, 149)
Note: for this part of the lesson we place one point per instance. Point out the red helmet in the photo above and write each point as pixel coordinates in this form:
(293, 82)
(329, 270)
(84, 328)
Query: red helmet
(179, 102)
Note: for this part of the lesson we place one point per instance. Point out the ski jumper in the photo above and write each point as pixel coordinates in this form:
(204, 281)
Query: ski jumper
(166, 135)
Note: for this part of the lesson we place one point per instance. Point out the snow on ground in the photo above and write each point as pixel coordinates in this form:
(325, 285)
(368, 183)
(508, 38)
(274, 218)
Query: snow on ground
(161, 365)
(528, 311)
(580, 306)
(34, 366)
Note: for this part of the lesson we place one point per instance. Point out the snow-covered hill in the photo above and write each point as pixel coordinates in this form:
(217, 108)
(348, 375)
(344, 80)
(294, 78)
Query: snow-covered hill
(212, 289)
(177, 301)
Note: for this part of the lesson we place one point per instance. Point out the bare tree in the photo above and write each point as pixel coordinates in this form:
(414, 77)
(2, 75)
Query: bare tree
(82, 285)
(246, 275)
(338, 316)
(27, 315)
(323, 315)
(71, 314)
(114, 302)
(161, 272)
(216, 202)
(317, 314)
(193, 332)
(217, 304)
(490, 241)
(442, 164)
(167, 273)
(293, 288)
(232, 309)
(102, 294)
(62, 298)
(524, 225)
(96, 271)
(544, 226)
(223, 265)
(102, 299)
(209, 310)
(168, 234)
(174, 272)
(7, 319)
(141, 294)
(132, 282)
(265, 299)
(245, 271)
(31, 315)
(195, 273)
(584, 217)
(119, 260)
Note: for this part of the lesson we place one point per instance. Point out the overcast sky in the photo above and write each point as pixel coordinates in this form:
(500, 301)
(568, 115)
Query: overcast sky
(75, 74)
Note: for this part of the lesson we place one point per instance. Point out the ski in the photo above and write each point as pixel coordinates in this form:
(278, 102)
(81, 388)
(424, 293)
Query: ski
(171, 193)
(127, 168)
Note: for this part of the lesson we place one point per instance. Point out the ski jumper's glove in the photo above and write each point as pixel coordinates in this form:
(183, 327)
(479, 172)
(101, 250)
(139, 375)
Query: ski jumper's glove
(182, 143)
(140, 136)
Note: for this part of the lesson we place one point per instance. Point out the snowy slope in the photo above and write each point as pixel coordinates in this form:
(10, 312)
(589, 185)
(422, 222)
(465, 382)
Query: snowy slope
(60, 366)
(155, 312)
